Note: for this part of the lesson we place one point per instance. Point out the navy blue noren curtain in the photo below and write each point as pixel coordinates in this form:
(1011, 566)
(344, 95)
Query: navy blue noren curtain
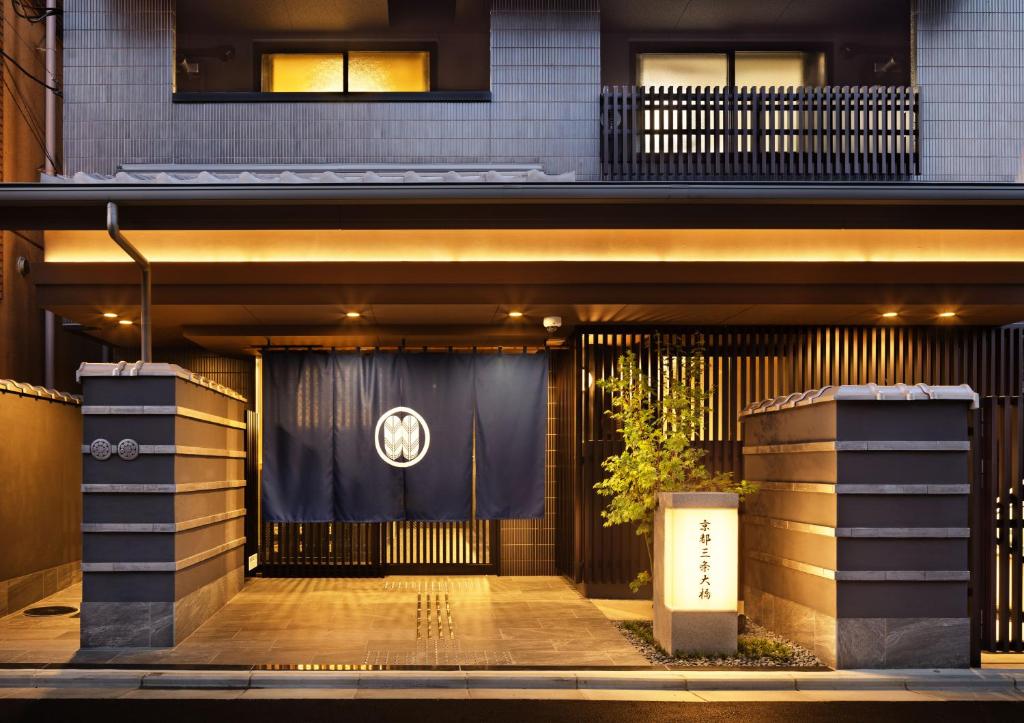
(298, 462)
(365, 386)
(379, 437)
(511, 393)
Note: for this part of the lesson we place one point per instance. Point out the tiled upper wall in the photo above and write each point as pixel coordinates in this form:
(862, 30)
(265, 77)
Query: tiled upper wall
(970, 67)
(545, 84)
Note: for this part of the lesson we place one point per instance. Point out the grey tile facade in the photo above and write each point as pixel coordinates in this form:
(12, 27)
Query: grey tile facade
(970, 67)
(545, 81)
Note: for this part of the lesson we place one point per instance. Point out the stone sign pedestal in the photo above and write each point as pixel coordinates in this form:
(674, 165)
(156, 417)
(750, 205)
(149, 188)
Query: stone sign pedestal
(695, 572)
(856, 544)
(163, 503)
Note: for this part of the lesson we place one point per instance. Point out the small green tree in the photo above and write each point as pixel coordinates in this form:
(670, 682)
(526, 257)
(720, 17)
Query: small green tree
(658, 433)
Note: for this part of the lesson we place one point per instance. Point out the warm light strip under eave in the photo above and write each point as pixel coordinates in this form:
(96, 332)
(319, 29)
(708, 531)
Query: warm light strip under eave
(452, 245)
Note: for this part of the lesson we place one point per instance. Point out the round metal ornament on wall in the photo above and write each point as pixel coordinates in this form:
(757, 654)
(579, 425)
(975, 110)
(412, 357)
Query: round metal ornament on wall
(100, 449)
(128, 449)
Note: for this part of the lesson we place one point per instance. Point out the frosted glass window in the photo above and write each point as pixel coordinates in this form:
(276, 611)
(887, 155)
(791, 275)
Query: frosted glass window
(683, 69)
(388, 71)
(303, 73)
(771, 69)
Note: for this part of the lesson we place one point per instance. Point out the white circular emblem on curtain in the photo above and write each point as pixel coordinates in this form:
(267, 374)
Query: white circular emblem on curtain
(402, 437)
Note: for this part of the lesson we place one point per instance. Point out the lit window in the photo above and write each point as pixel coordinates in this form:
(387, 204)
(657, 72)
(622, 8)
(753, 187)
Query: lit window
(303, 73)
(779, 69)
(683, 69)
(368, 71)
(388, 71)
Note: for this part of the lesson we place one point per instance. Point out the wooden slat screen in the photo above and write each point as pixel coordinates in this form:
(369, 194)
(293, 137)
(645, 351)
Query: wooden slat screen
(997, 523)
(830, 133)
(745, 365)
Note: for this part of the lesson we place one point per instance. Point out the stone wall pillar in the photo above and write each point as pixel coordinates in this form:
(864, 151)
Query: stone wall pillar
(163, 513)
(856, 545)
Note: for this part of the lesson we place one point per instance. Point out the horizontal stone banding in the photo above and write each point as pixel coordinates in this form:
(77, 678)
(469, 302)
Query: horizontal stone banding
(153, 369)
(162, 527)
(791, 525)
(182, 450)
(142, 488)
(162, 410)
(860, 446)
(903, 576)
(831, 488)
(804, 567)
(904, 532)
(173, 566)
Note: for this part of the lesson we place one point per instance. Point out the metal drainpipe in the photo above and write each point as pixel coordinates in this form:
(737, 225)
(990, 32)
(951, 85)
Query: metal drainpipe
(114, 229)
(50, 52)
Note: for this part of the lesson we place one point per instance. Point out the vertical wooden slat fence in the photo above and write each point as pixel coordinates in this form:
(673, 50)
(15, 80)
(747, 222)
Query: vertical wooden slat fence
(830, 133)
(997, 513)
(745, 365)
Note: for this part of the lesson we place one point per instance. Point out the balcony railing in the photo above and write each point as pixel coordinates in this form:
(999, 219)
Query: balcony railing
(830, 133)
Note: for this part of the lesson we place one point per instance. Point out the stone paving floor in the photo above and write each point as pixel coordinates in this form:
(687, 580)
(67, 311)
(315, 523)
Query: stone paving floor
(381, 621)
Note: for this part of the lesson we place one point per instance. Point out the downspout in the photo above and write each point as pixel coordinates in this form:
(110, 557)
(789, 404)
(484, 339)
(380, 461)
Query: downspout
(50, 321)
(114, 229)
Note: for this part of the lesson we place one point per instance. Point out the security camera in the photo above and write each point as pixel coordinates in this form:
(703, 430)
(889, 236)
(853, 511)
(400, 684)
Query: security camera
(552, 323)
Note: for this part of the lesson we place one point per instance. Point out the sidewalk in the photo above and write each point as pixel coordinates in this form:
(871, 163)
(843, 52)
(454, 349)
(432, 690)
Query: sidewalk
(692, 686)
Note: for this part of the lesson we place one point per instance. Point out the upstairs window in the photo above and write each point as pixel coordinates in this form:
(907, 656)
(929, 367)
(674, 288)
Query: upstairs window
(741, 68)
(351, 71)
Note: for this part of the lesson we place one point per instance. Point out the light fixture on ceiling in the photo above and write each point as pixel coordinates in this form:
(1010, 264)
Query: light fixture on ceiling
(515, 314)
(109, 315)
(125, 322)
(947, 314)
(890, 314)
(352, 314)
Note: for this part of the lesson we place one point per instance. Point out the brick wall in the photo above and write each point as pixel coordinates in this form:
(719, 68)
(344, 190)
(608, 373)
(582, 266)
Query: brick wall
(545, 81)
(970, 66)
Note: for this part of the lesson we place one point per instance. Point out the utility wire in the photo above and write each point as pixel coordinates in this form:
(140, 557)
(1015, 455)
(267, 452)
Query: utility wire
(29, 75)
(31, 12)
(22, 106)
(28, 46)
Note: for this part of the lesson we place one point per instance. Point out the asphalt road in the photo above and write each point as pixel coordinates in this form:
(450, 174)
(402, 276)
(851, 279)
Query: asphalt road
(456, 711)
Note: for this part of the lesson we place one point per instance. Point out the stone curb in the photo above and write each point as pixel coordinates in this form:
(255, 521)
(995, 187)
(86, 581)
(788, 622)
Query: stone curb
(866, 680)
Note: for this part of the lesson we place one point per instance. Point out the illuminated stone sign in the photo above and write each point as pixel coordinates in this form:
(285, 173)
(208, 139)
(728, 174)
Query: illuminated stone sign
(696, 572)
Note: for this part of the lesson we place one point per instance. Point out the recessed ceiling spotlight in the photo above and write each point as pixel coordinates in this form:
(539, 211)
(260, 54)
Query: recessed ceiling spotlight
(125, 322)
(352, 314)
(890, 314)
(515, 314)
(947, 314)
(109, 315)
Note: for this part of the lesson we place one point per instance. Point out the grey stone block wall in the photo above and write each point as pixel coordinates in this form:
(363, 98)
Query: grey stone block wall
(856, 544)
(164, 510)
(545, 84)
(970, 68)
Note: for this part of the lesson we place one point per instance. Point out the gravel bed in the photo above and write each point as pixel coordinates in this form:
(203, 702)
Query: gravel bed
(797, 657)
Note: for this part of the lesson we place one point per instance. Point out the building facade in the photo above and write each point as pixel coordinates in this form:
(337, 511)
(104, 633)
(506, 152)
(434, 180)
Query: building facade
(815, 193)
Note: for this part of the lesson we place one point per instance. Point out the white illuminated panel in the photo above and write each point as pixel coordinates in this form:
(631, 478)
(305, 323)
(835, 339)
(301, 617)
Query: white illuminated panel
(700, 559)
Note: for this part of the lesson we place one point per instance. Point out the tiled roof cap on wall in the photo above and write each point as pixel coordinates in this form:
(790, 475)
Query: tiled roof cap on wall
(313, 174)
(866, 392)
(9, 386)
(151, 369)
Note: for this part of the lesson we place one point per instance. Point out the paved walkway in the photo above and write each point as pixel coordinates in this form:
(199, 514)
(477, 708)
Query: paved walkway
(342, 622)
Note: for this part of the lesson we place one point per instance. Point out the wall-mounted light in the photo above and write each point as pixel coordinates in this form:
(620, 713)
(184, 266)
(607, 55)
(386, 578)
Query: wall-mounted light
(352, 314)
(947, 314)
(890, 315)
(515, 314)
(109, 315)
(125, 322)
